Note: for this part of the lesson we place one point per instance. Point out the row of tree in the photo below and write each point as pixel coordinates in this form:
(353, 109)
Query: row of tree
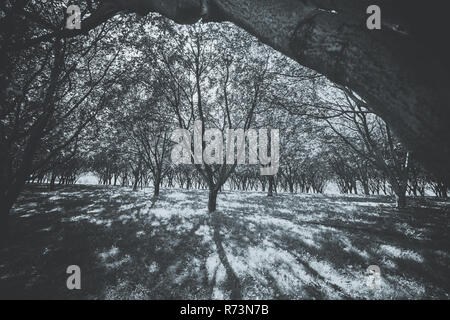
(227, 80)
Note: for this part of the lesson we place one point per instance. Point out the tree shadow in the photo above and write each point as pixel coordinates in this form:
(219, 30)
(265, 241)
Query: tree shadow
(234, 284)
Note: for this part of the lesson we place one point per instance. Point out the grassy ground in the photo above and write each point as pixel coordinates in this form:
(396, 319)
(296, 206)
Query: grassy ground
(289, 247)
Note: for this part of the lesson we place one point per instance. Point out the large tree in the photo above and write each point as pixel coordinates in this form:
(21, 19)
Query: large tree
(400, 70)
(48, 95)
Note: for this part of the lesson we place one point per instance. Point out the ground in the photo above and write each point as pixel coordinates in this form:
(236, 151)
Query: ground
(287, 247)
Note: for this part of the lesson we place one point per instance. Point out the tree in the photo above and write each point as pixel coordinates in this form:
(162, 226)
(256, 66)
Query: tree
(150, 133)
(49, 94)
(220, 91)
(371, 138)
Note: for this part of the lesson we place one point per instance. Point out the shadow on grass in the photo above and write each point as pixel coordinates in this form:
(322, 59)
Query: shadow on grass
(123, 252)
(234, 284)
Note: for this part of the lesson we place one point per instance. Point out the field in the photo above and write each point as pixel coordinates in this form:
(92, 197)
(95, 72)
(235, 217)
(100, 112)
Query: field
(287, 247)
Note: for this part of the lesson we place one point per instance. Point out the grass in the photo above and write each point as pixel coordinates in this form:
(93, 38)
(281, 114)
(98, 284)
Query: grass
(287, 247)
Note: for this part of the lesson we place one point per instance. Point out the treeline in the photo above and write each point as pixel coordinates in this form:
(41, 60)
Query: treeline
(356, 178)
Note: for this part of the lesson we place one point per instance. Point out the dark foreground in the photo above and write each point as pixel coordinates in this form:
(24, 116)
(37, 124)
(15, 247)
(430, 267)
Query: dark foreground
(289, 247)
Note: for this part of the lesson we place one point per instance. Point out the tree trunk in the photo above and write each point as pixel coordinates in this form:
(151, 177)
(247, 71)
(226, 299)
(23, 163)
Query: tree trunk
(270, 191)
(400, 200)
(366, 188)
(135, 184)
(52, 182)
(156, 185)
(212, 200)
